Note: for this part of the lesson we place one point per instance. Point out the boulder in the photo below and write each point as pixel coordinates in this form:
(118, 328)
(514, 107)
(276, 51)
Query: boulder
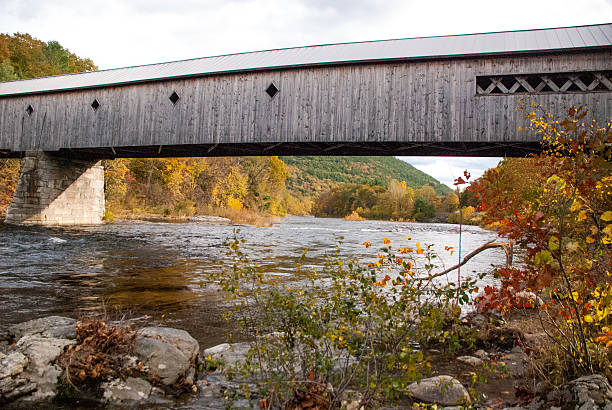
(176, 337)
(12, 365)
(477, 320)
(230, 353)
(441, 390)
(471, 360)
(591, 392)
(41, 369)
(164, 361)
(481, 354)
(52, 326)
(130, 390)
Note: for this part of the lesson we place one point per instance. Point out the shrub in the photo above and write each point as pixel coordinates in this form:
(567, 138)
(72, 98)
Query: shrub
(348, 326)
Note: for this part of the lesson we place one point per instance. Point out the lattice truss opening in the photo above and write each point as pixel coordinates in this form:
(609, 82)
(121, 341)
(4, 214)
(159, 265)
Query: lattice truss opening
(582, 81)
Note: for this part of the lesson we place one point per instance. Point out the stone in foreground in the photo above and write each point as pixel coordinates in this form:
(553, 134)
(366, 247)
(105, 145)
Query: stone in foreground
(471, 360)
(131, 390)
(41, 369)
(51, 326)
(441, 390)
(592, 392)
(229, 353)
(164, 359)
(176, 337)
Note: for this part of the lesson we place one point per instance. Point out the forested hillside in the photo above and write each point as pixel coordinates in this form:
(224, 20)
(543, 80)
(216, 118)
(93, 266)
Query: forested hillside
(312, 176)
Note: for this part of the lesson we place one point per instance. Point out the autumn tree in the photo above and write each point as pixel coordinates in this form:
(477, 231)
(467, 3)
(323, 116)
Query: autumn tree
(266, 183)
(29, 57)
(559, 210)
(451, 202)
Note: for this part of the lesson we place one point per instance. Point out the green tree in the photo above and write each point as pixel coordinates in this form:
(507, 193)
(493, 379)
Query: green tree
(423, 210)
(7, 73)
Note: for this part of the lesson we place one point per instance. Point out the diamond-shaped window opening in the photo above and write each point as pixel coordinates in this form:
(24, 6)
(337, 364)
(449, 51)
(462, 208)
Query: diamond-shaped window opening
(271, 90)
(29, 110)
(174, 97)
(95, 105)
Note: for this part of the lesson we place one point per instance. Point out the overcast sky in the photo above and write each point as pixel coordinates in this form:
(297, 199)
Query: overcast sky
(120, 33)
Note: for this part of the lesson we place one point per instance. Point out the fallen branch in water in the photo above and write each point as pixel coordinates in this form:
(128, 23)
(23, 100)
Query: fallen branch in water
(507, 246)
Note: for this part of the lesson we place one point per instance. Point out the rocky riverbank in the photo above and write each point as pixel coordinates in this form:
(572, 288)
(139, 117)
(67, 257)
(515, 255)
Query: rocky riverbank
(53, 359)
(59, 361)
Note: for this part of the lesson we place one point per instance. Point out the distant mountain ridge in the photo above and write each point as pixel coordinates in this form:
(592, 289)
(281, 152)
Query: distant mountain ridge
(312, 175)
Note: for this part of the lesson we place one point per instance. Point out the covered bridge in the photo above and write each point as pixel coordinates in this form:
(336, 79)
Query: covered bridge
(448, 95)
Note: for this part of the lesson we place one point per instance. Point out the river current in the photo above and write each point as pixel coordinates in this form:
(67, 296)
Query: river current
(157, 271)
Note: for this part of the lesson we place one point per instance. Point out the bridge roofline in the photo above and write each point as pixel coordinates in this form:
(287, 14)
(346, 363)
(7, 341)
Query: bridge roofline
(535, 41)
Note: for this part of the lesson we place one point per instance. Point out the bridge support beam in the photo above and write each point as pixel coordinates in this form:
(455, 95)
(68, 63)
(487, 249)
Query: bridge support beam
(57, 191)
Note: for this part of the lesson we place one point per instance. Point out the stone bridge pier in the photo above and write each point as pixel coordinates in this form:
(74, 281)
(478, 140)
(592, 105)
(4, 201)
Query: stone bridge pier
(57, 191)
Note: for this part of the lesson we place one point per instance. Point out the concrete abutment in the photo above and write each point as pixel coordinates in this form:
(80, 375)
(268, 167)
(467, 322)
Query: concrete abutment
(57, 191)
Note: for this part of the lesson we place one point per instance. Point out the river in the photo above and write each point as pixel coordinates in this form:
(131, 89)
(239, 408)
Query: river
(155, 272)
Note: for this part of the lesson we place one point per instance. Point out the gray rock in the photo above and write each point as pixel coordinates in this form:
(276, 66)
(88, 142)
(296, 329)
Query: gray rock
(41, 370)
(441, 390)
(131, 390)
(211, 390)
(52, 326)
(230, 353)
(216, 350)
(176, 337)
(471, 360)
(165, 361)
(591, 392)
(558, 396)
(516, 362)
(12, 365)
(9, 384)
(478, 320)
(22, 390)
(481, 354)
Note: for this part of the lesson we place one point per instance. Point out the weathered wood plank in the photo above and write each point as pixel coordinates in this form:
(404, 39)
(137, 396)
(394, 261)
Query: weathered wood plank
(426, 101)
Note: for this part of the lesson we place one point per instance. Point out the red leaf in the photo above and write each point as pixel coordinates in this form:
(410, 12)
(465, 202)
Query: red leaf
(459, 181)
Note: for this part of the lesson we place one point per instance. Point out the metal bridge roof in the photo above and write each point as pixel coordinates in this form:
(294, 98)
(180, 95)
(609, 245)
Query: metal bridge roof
(508, 42)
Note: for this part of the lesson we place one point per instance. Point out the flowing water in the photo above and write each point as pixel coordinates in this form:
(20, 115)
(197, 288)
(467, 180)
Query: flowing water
(155, 273)
(158, 270)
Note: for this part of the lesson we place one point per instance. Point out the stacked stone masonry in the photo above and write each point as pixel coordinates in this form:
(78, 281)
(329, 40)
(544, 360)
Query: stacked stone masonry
(57, 191)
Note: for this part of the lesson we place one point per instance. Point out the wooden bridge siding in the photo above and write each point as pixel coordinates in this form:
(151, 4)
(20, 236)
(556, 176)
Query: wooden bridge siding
(413, 101)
